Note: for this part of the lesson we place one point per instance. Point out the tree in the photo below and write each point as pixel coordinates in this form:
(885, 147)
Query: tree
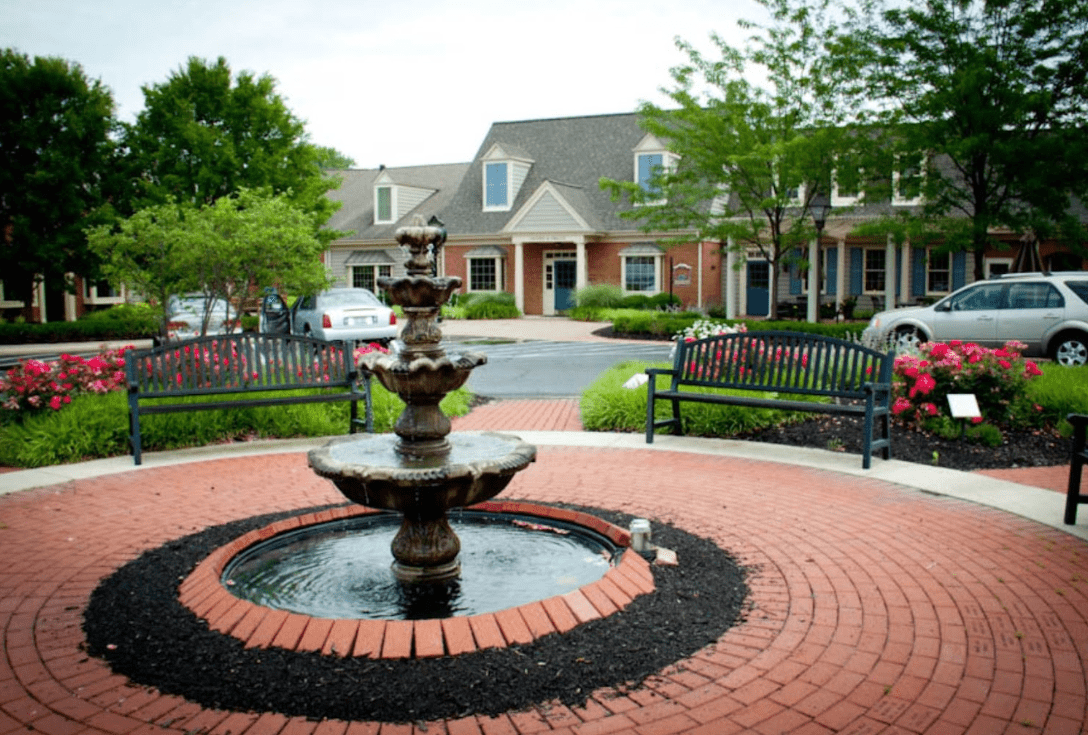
(205, 134)
(330, 159)
(56, 160)
(223, 250)
(993, 93)
(751, 157)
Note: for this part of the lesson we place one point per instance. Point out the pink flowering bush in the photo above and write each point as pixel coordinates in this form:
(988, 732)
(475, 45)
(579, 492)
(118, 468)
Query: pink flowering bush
(37, 385)
(997, 377)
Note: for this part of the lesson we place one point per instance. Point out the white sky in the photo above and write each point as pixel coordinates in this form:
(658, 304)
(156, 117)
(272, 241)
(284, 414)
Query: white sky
(394, 83)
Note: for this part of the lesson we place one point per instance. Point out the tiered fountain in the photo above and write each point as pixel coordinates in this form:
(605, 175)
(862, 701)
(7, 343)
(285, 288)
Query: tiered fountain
(422, 472)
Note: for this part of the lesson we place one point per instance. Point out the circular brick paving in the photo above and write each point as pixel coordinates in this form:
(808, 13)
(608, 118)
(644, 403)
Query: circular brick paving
(875, 608)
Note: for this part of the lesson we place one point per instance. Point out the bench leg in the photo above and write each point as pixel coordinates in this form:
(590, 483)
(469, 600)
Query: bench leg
(1076, 464)
(676, 427)
(134, 433)
(650, 400)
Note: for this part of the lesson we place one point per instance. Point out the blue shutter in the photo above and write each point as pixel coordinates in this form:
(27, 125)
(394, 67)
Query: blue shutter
(832, 271)
(795, 274)
(959, 270)
(496, 184)
(918, 272)
(857, 268)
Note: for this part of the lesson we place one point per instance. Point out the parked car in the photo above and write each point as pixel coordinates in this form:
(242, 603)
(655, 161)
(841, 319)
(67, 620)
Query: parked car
(185, 314)
(1047, 312)
(349, 314)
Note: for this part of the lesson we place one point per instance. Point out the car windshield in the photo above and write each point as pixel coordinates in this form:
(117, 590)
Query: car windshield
(348, 298)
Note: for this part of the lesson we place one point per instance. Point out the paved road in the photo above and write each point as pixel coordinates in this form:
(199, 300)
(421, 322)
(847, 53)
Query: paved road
(551, 369)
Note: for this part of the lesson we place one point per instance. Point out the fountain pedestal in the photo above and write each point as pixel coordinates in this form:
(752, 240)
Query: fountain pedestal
(423, 471)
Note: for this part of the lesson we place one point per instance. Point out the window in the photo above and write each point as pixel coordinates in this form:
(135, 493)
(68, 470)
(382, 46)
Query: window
(366, 276)
(640, 273)
(874, 271)
(383, 204)
(496, 180)
(649, 165)
(984, 297)
(846, 183)
(483, 274)
(101, 292)
(907, 179)
(1034, 296)
(938, 273)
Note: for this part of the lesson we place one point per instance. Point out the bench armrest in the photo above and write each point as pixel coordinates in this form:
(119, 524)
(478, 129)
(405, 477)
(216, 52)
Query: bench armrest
(660, 371)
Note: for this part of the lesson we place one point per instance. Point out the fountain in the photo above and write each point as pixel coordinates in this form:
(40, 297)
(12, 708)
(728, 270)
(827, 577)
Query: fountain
(421, 471)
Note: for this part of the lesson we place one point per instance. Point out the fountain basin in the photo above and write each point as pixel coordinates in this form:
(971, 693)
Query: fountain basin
(423, 376)
(419, 291)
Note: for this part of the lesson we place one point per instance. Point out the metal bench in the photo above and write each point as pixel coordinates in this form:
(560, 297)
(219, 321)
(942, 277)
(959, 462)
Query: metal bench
(765, 368)
(161, 378)
(1073, 495)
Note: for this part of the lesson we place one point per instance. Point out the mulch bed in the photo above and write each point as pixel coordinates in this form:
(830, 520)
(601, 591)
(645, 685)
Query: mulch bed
(1029, 448)
(135, 622)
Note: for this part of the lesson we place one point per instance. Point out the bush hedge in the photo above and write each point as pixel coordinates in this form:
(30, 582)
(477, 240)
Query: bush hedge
(121, 322)
(96, 425)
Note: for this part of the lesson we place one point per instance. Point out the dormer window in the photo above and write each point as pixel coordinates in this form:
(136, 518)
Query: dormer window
(497, 186)
(652, 159)
(505, 170)
(383, 205)
(908, 179)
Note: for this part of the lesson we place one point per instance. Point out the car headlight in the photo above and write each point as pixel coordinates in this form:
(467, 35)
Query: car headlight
(874, 323)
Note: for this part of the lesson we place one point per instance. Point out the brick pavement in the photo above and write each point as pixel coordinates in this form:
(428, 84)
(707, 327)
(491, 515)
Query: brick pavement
(875, 608)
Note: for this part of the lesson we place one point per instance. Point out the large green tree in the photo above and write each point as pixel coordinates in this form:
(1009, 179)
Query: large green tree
(755, 131)
(56, 164)
(206, 133)
(993, 94)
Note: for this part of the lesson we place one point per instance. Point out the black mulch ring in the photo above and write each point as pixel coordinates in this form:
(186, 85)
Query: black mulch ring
(1029, 448)
(135, 622)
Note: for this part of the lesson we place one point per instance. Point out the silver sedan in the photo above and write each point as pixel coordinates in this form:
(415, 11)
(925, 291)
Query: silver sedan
(349, 314)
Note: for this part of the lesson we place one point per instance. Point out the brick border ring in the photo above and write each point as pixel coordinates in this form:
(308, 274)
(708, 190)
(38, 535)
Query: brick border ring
(256, 626)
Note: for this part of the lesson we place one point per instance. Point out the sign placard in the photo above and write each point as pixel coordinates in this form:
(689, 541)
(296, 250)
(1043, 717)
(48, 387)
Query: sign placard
(963, 405)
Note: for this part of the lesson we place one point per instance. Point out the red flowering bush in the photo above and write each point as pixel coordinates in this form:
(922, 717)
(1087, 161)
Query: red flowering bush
(997, 378)
(36, 385)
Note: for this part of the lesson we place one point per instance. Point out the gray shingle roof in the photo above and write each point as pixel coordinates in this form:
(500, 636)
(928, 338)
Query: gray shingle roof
(573, 152)
(357, 194)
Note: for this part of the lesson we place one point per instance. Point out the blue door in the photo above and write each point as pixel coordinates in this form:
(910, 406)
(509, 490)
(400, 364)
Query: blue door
(566, 278)
(759, 288)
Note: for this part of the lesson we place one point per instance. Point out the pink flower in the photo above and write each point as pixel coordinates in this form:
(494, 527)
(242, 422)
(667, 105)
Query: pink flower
(929, 408)
(976, 420)
(55, 403)
(901, 404)
(1031, 369)
(1005, 364)
(938, 351)
(923, 385)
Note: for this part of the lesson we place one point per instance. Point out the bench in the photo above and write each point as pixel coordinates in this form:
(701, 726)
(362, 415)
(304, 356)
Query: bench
(159, 379)
(767, 368)
(1073, 495)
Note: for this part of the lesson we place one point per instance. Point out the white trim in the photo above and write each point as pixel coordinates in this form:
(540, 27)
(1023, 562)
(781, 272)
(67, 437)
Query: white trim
(91, 297)
(657, 285)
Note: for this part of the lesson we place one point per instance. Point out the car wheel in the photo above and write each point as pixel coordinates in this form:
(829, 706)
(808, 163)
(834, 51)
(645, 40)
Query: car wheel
(907, 339)
(1071, 349)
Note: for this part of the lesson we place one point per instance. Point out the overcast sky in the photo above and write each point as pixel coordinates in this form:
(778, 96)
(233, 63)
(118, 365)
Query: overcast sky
(394, 83)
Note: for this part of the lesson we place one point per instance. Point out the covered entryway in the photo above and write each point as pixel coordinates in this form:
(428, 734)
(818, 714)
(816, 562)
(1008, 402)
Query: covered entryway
(560, 281)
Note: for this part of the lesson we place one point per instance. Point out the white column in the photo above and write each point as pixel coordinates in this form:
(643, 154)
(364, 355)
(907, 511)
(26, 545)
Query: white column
(813, 284)
(889, 273)
(519, 275)
(582, 279)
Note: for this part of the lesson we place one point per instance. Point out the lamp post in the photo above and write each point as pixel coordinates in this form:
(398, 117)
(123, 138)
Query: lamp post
(819, 207)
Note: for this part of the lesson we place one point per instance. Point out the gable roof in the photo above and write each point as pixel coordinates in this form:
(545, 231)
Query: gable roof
(356, 191)
(570, 153)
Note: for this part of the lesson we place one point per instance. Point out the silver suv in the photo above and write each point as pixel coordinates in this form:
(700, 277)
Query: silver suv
(1047, 312)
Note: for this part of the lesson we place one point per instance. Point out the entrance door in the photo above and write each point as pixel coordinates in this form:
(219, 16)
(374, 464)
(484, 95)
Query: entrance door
(759, 288)
(566, 279)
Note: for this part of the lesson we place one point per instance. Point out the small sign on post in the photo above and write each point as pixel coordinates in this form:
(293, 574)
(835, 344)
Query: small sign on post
(963, 406)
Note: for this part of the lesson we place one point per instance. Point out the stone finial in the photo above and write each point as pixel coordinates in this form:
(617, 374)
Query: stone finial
(423, 242)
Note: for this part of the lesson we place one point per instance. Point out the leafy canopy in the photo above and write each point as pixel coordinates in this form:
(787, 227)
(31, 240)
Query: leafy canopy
(56, 168)
(751, 156)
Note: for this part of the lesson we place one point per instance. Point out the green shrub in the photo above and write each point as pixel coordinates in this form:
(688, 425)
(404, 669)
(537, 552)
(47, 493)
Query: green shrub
(491, 306)
(607, 406)
(94, 329)
(95, 426)
(599, 296)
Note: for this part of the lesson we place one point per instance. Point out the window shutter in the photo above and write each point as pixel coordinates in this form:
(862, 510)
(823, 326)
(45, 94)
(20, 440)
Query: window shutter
(832, 271)
(918, 272)
(795, 275)
(959, 270)
(857, 268)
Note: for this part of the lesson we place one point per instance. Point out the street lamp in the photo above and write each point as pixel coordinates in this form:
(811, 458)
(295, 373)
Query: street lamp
(820, 207)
